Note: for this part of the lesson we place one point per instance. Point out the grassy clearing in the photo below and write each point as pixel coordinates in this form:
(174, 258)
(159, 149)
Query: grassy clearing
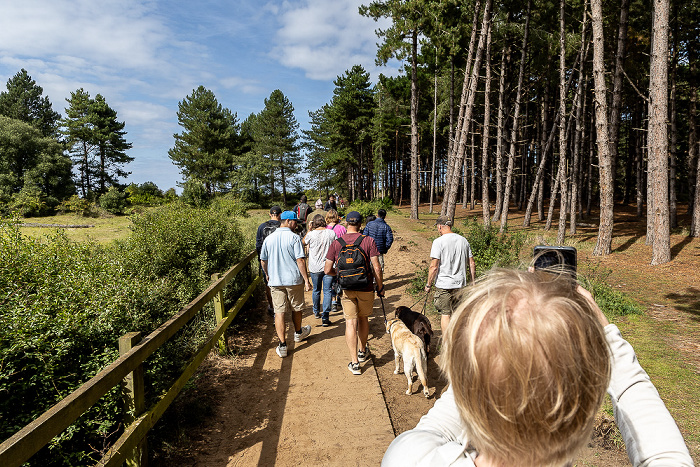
(677, 383)
(104, 231)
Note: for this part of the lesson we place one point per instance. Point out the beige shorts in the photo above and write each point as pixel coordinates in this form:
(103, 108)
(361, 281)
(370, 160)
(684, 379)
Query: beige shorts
(287, 298)
(446, 300)
(357, 304)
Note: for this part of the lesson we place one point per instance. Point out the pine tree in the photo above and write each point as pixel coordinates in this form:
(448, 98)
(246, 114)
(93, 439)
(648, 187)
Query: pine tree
(209, 141)
(275, 135)
(96, 141)
(110, 143)
(78, 130)
(23, 101)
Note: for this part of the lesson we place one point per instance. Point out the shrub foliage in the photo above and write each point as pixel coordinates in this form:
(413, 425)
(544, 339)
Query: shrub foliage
(65, 305)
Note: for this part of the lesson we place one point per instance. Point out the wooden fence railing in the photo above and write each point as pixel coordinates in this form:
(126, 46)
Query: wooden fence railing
(130, 447)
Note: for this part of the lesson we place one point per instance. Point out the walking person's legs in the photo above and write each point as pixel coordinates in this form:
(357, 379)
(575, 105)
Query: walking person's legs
(317, 283)
(357, 307)
(295, 294)
(279, 303)
(327, 283)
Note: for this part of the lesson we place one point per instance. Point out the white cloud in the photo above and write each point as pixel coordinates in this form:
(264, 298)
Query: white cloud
(117, 33)
(245, 85)
(326, 37)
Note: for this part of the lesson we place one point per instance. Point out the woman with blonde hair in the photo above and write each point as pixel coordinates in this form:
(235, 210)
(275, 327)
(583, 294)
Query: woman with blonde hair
(333, 223)
(528, 358)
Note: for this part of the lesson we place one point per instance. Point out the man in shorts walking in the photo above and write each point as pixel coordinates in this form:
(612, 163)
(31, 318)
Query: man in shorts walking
(265, 229)
(357, 304)
(284, 262)
(448, 269)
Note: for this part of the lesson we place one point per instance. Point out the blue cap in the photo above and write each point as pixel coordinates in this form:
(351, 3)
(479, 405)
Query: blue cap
(353, 217)
(289, 216)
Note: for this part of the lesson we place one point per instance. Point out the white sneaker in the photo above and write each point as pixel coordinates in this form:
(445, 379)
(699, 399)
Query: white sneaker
(303, 334)
(281, 350)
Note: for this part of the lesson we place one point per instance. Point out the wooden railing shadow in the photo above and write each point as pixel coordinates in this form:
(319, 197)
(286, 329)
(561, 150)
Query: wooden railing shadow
(127, 370)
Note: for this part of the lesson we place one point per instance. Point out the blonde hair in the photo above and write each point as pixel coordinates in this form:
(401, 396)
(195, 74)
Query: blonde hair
(529, 365)
(332, 216)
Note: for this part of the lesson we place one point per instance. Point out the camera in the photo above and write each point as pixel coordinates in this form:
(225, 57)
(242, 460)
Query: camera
(556, 259)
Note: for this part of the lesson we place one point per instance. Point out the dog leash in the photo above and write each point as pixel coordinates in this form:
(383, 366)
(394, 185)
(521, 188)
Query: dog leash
(425, 303)
(383, 311)
(419, 300)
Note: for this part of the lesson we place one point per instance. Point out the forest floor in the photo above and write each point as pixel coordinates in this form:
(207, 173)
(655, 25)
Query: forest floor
(236, 406)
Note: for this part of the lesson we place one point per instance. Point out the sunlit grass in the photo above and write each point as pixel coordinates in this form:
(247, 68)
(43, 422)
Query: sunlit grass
(105, 230)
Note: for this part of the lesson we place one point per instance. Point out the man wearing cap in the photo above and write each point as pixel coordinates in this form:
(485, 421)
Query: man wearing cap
(357, 304)
(283, 260)
(448, 268)
(265, 229)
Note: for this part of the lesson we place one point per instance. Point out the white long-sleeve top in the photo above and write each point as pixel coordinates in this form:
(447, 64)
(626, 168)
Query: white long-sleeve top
(650, 433)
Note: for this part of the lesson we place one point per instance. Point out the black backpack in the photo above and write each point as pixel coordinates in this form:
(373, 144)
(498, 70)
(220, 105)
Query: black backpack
(353, 265)
(302, 211)
(267, 230)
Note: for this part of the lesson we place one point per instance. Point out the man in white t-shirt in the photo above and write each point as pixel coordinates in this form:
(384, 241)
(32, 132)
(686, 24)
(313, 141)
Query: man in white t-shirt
(448, 268)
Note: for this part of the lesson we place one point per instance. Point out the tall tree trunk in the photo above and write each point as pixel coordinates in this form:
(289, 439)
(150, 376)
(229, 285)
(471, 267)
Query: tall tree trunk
(452, 166)
(639, 163)
(605, 229)
(499, 134)
(672, 196)
(485, 136)
(658, 135)
(451, 197)
(576, 162)
(537, 189)
(561, 232)
(284, 182)
(542, 155)
(616, 103)
(432, 168)
(579, 128)
(591, 158)
(693, 147)
(415, 162)
(514, 129)
(472, 174)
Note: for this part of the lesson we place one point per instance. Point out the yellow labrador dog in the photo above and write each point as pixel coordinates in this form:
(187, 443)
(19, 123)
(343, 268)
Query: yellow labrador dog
(411, 348)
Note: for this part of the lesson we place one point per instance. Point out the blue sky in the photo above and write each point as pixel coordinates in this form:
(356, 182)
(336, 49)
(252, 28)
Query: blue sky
(144, 56)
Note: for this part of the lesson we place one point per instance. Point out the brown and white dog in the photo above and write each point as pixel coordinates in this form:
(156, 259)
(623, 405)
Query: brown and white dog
(418, 324)
(410, 347)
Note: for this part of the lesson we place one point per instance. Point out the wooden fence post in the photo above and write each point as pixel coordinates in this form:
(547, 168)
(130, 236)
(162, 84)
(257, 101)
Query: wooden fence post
(220, 313)
(133, 393)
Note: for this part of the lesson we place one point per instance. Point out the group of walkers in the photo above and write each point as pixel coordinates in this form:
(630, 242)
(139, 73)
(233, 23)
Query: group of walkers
(520, 392)
(345, 266)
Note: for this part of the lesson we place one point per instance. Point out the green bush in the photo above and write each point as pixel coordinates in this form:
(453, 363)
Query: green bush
(65, 305)
(29, 202)
(113, 201)
(194, 193)
(184, 244)
(367, 208)
(146, 194)
(491, 248)
(612, 302)
(78, 205)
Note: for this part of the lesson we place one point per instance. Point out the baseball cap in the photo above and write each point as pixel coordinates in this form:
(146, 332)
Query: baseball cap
(353, 217)
(276, 210)
(289, 216)
(443, 220)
